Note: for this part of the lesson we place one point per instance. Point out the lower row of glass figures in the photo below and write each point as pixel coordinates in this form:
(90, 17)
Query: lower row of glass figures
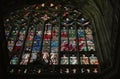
(53, 59)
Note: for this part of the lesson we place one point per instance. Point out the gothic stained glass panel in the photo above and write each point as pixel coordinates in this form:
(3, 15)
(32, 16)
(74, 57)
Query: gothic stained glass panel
(58, 38)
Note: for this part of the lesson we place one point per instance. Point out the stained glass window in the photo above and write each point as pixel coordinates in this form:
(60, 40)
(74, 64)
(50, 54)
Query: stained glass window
(48, 39)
